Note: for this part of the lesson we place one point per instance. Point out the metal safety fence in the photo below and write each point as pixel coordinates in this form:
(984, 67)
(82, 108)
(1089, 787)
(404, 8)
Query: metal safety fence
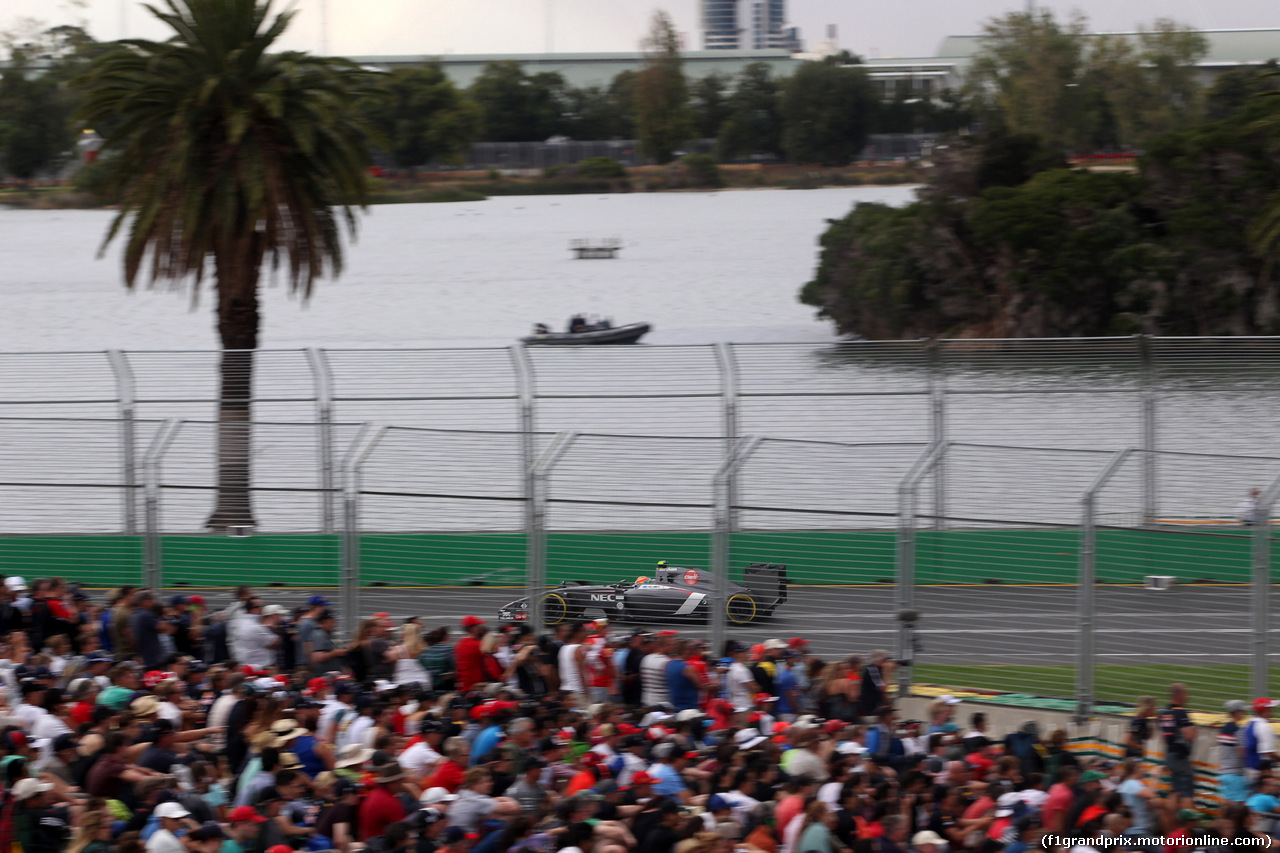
(981, 567)
(947, 500)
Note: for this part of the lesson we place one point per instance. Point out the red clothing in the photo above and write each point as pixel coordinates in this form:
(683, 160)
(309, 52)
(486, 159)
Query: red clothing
(468, 663)
(81, 713)
(980, 763)
(583, 780)
(788, 810)
(699, 667)
(448, 776)
(378, 810)
(980, 807)
(1176, 847)
(1059, 800)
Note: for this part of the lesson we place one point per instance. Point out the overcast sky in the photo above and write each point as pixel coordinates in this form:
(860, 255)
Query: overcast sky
(874, 29)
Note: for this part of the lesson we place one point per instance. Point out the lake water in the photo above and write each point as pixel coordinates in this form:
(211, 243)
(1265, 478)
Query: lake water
(701, 267)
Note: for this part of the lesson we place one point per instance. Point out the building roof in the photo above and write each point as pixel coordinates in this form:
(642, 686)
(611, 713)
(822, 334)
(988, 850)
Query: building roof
(586, 69)
(1234, 47)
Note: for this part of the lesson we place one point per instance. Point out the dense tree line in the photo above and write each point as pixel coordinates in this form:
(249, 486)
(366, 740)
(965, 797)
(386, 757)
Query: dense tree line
(1035, 76)
(822, 114)
(1006, 241)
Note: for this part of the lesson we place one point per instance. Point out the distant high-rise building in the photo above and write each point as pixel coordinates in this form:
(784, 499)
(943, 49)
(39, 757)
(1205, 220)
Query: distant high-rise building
(768, 28)
(768, 25)
(720, 25)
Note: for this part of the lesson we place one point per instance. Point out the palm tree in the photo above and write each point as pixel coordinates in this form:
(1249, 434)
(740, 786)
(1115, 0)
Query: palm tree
(227, 154)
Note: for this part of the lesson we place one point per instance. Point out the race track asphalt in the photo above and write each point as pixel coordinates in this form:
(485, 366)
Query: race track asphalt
(986, 624)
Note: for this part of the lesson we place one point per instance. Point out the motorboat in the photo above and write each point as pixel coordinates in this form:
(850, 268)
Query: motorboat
(602, 332)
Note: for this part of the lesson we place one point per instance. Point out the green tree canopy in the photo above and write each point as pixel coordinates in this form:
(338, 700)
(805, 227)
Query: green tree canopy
(754, 122)
(1035, 75)
(709, 100)
(230, 155)
(664, 121)
(827, 110)
(421, 116)
(519, 107)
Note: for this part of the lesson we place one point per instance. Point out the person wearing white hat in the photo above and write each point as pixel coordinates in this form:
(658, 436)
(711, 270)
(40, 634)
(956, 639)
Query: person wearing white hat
(171, 816)
(928, 841)
(17, 587)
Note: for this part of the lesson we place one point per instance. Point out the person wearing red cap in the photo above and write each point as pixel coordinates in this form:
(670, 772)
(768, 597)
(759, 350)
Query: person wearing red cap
(245, 824)
(467, 654)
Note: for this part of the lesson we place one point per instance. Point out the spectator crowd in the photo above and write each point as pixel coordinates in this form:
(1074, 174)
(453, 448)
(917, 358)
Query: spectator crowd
(147, 722)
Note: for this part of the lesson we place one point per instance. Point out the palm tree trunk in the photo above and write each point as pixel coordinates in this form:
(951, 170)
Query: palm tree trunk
(238, 321)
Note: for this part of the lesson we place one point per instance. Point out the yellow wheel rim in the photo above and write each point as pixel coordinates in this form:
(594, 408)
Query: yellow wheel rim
(550, 601)
(736, 608)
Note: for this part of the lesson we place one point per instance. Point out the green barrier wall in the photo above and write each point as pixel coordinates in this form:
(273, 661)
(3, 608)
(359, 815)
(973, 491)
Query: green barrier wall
(813, 557)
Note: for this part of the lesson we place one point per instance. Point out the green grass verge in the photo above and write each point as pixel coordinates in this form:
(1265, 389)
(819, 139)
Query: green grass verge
(1209, 686)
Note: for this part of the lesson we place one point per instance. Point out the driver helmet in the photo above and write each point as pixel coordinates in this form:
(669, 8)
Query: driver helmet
(642, 579)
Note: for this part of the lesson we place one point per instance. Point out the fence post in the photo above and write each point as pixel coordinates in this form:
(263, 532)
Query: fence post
(1261, 591)
(1086, 616)
(153, 574)
(361, 446)
(938, 428)
(727, 363)
(525, 414)
(723, 525)
(536, 534)
(905, 580)
(322, 378)
(125, 397)
(1150, 486)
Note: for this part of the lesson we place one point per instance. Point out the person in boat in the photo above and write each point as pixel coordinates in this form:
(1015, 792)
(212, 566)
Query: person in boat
(578, 323)
(541, 329)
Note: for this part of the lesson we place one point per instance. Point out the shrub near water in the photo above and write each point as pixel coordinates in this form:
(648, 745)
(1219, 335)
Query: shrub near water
(605, 168)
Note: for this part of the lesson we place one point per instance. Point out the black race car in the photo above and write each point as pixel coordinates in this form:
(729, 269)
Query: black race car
(672, 593)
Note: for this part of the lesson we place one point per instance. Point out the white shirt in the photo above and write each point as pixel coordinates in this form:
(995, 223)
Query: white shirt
(829, 793)
(653, 679)
(164, 841)
(1263, 733)
(328, 711)
(29, 714)
(417, 758)
(171, 712)
(355, 732)
(570, 672)
(253, 642)
(741, 804)
(49, 727)
(739, 694)
(219, 713)
(631, 765)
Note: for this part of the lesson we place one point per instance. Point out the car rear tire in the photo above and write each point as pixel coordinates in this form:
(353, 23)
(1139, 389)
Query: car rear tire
(555, 608)
(740, 609)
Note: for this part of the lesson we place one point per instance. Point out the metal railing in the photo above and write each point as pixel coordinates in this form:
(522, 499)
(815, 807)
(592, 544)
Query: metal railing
(953, 498)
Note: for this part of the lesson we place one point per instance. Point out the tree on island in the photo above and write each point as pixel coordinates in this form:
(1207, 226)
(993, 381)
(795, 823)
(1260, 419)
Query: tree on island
(229, 155)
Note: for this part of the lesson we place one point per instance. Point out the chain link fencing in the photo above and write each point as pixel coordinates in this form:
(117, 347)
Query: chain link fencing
(940, 500)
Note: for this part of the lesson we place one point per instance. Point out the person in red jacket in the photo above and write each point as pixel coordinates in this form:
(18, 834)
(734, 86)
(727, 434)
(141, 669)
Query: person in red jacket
(467, 655)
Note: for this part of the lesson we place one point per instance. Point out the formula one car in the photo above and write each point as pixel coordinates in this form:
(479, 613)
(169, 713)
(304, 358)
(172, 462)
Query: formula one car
(672, 593)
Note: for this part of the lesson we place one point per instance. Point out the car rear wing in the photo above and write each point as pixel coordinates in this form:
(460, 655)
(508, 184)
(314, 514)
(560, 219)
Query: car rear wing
(767, 583)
